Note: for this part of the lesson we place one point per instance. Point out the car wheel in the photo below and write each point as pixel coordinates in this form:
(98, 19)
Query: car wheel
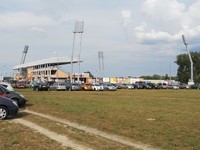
(3, 112)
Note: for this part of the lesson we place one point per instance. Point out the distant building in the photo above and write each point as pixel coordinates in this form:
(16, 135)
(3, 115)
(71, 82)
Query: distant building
(45, 69)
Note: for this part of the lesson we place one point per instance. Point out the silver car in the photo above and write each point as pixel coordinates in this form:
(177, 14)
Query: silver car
(72, 86)
(58, 86)
(109, 87)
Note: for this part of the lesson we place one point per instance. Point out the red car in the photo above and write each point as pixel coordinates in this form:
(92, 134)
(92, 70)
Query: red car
(20, 84)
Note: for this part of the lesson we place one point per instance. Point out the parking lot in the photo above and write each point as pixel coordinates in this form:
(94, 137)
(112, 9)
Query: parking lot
(162, 119)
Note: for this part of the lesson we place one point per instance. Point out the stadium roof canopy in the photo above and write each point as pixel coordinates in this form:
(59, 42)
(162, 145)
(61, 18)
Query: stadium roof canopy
(52, 61)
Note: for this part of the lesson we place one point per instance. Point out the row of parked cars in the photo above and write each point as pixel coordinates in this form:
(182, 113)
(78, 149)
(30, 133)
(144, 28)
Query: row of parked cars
(10, 101)
(144, 85)
(56, 86)
(37, 86)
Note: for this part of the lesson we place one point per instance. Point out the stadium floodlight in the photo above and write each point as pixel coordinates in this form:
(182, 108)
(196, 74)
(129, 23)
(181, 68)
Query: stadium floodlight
(26, 49)
(24, 54)
(78, 29)
(101, 63)
(191, 62)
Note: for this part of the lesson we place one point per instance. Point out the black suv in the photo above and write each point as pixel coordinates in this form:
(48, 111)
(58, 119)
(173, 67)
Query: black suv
(40, 86)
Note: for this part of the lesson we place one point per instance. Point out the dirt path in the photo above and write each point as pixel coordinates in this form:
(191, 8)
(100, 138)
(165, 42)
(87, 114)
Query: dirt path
(115, 138)
(63, 140)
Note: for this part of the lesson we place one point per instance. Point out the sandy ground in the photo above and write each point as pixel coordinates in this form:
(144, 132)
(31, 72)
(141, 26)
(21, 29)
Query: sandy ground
(66, 142)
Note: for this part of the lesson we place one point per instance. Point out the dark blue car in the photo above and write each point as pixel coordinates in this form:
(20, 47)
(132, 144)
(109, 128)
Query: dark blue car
(19, 98)
(8, 107)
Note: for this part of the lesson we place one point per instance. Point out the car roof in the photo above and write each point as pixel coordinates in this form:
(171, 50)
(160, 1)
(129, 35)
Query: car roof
(8, 86)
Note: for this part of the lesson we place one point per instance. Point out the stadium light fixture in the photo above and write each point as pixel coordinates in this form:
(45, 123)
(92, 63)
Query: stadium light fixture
(78, 29)
(191, 81)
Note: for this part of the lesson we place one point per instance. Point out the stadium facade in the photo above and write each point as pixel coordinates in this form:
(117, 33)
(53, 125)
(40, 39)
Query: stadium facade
(45, 69)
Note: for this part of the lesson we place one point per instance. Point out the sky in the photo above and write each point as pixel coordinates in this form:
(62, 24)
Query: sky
(137, 37)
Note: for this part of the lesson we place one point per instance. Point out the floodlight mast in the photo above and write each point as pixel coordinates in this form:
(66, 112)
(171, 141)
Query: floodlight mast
(191, 62)
(81, 24)
(101, 63)
(78, 29)
(23, 57)
(24, 54)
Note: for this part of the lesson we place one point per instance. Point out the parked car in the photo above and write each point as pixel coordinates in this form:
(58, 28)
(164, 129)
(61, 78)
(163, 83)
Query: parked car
(162, 85)
(97, 87)
(130, 86)
(183, 86)
(134, 86)
(86, 87)
(19, 98)
(109, 87)
(20, 84)
(8, 107)
(58, 86)
(72, 86)
(142, 85)
(7, 85)
(123, 86)
(153, 85)
(172, 86)
(40, 86)
(116, 85)
(195, 86)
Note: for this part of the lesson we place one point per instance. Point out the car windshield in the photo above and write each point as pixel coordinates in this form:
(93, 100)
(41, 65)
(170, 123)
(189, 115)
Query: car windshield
(96, 84)
(5, 90)
(75, 84)
(61, 83)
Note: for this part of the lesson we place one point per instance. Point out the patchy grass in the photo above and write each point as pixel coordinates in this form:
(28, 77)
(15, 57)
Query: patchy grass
(15, 136)
(81, 137)
(168, 119)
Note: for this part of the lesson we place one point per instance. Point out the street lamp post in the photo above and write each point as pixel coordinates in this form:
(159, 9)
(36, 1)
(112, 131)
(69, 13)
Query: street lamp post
(191, 81)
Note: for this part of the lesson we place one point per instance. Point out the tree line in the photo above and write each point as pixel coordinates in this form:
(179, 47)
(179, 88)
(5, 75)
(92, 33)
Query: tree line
(184, 69)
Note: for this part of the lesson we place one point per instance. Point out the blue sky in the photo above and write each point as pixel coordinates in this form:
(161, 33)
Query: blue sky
(136, 37)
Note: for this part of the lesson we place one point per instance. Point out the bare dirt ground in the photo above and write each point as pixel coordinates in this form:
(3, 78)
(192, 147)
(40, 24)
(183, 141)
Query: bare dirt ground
(66, 142)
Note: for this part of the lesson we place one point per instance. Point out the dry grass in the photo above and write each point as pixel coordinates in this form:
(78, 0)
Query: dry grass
(81, 137)
(168, 119)
(15, 136)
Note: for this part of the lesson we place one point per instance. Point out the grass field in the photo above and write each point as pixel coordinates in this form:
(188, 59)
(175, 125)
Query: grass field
(167, 119)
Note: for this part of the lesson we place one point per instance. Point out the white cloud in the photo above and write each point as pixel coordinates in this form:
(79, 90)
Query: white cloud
(24, 19)
(127, 17)
(164, 10)
(191, 18)
(37, 29)
(153, 35)
(141, 28)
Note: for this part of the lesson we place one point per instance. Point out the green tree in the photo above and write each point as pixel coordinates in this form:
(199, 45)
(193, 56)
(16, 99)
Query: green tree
(184, 67)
